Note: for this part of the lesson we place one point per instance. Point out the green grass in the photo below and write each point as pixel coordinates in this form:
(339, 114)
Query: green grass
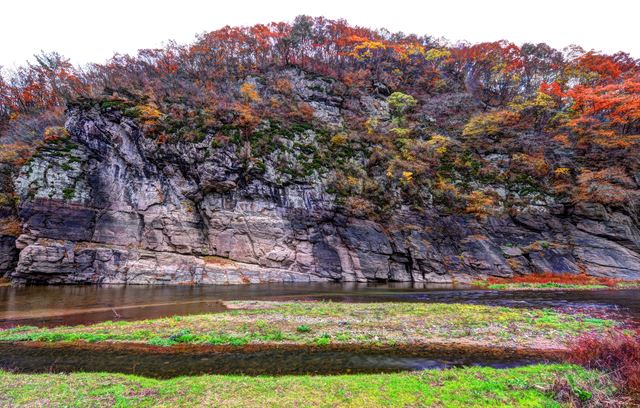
(463, 387)
(629, 285)
(321, 323)
(556, 285)
(547, 285)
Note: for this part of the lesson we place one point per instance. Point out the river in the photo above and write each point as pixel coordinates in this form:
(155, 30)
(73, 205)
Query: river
(70, 305)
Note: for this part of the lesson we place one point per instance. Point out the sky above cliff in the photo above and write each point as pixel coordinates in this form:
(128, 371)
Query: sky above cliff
(93, 31)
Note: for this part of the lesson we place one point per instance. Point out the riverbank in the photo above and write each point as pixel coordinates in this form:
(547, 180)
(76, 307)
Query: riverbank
(324, 323)
(550, 281)
(539, 385)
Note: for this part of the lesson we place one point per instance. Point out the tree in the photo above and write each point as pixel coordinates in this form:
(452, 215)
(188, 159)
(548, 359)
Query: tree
(400, 103)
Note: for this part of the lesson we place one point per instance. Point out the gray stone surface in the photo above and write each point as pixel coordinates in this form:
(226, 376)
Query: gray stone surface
(116, 207)
(8, 254)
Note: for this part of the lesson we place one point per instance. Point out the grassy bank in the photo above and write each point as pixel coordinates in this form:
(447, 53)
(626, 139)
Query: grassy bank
(547, 285)
(533, 386)
(556, 281)
(322, 323)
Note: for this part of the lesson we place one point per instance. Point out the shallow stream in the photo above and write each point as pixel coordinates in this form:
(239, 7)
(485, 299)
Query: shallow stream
(71, 305)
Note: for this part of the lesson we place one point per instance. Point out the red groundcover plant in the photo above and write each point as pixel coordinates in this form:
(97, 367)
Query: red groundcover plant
(565, 279)
(617, 353)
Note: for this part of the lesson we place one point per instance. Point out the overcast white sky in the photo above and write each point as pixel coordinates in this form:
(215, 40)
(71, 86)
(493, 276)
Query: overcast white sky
(91, 31)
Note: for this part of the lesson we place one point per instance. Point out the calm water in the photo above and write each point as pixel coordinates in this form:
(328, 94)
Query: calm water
(54, 358)
(57, 305)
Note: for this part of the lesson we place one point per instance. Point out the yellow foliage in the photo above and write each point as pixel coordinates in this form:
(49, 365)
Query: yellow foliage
(275, 103)
(246, 116)
(353, 181)
(408, 176)
(400, 102)
(359, 207)
(338, 139)
(541, 101)
(401, 132)
(561, 171)
(439, 144)
(405, 51)
(489, 124)
(371, 124)
(437, 53)
(390, 170)
(366, 49)
(149, 114)
(6, 200)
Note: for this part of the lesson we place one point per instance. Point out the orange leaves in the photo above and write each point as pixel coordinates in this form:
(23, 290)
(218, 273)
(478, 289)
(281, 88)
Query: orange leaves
(249, 93)
(533, 164)
(247, 118)
(608, 186)
(592, 66)
(479, 204)
(40, 86)
(607, 115)
(301, 112)
(15, 154)
(552, 89)
(619, 102)
(306, 111)
(499, 55)
(10, 226)
(283, 86)
(263, 35)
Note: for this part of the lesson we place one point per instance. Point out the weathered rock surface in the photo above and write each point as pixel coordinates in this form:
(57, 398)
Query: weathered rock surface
(8, 254)
(111, 206)
(8, 221)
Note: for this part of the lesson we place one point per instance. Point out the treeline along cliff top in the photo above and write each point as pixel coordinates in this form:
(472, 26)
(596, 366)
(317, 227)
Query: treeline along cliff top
(316, 150)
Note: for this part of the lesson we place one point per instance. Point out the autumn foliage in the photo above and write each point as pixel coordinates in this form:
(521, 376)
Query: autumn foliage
(464, 118)
(617, 353)
(564, 279)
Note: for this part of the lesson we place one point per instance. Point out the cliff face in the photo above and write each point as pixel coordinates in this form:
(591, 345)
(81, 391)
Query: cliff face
(108, 205)
(9, 224)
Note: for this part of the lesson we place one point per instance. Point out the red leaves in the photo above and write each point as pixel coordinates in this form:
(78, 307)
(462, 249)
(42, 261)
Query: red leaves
(616, 353)
(548, 277)
(552, 89)
(603, 65)
(41, 86)
(610, 112)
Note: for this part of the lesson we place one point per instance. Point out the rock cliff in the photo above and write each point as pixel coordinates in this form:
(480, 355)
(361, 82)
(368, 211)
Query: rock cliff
(108, 205)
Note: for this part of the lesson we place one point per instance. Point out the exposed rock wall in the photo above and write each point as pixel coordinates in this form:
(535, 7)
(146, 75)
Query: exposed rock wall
(111, 206)
(8, 224)
(8, 255)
